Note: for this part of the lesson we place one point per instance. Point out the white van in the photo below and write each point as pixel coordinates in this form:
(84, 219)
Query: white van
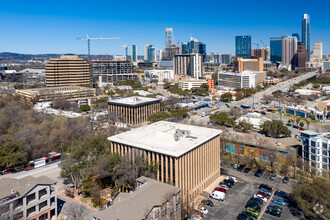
(218, 195)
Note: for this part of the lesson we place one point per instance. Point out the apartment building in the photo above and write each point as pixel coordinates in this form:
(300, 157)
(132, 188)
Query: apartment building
(246, 79)
(132, 110)
(188, 64)
(150, 200)
(110, 71)
(241, 64)
(188, 156)
(160, 76)
(316, 150)
(28, 198)
(68, 71)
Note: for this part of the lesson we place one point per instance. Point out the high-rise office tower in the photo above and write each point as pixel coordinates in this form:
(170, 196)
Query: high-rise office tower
(134, 53)
(306, 34)
(275, 49)
(169, 39)
(243, 46)
(289, 48)
(150, 53)
(220, 58)
(317, 50)
(297, 36)
(300, 57)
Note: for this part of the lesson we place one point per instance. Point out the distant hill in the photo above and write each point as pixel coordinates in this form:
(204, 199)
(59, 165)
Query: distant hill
(8, 56)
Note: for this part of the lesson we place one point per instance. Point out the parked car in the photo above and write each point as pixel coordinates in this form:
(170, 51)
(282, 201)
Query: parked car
(223, 186)
(261, 197)
(231, 177)
(220, 189)
(202, 210)
(286, 179)
(281, 194)
(273, 211)
(235, 166)
(279, 202)
(255, 206)
(265, 191)
(218, 195)
(249, 215)
(246, 216)
(241, 167)
(263, 113)
(272, 177)
(247, 170)
(264, 194)
(264, 186)
(275, 207)
(231, 181)
(252, 211)
(254, 202)
(207, 202)
(10, 170)
(258, 173)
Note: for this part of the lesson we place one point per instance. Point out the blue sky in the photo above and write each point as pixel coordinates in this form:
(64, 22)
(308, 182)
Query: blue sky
(53, 26)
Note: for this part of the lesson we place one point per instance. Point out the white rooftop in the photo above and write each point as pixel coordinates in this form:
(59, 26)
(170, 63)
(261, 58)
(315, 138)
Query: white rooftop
(160, 137)
(134, 100)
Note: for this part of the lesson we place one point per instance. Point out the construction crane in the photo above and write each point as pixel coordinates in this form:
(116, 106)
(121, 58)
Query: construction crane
(262, 43)
(90, 38)
(257, 45)
(126, 49)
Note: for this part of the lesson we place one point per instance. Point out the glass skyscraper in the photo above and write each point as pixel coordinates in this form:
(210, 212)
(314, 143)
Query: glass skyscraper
(194, 46)
(276, 49)
(305, 34)
(134, 53)
(297, 36)
(243, 46)
(169, 39)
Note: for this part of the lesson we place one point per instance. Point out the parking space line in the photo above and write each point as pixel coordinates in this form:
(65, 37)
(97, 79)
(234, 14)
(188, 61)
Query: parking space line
(266, 205)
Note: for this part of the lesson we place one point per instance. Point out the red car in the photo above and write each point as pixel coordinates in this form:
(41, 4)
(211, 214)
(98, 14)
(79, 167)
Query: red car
(220, 190)
(302, 129)
(10, 170)
(264, 195)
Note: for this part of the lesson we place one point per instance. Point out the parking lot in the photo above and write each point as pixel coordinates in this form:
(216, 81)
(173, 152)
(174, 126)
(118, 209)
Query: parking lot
(240, 193)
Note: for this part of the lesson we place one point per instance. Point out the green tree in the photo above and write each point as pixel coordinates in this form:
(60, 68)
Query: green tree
(243, 126)
(11, 154)
(301, 124)
(226, 97)
(275, 129)
(180, 112)
(85, 108)
(159, 116)
(221, 118)
(310, 196)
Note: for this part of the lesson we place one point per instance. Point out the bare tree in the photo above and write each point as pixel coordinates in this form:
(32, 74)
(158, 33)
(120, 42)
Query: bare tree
(76, 211)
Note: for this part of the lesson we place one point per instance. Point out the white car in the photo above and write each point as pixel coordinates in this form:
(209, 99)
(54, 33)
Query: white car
(224, 186)
(261, 197)
(202, 210)
(231, 177)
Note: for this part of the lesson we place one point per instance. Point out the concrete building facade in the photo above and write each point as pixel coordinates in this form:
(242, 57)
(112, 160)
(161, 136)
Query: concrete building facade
(188, 156)
(189, 84)
(68, 71)
(160, 75)
(110, 71)
(132, 110)
(289, 49)
(52, 93)
(317, 51)
(246, 79)
(188, 64)
(262, 52)
(28, 198)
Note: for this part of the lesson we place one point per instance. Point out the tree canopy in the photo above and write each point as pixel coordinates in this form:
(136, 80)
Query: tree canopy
(221, 118)
(275, 129)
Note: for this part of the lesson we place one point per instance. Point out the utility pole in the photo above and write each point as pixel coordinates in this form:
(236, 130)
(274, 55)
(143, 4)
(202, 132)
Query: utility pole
(89, 39)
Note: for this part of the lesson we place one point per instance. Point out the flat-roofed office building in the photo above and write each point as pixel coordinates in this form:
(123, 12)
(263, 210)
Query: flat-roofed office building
(187, 156)
(68, 71)
(133, 110)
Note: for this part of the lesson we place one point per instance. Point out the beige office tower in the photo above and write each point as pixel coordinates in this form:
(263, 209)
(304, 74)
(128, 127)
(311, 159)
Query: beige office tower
(318, 50)
(188, 64)
(289, 48)
(186, 156)
(67, 71)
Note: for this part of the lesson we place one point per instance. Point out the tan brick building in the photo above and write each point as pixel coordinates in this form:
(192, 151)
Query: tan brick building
(68, 70)
(187, 156)
(132, 110)
(241, 64)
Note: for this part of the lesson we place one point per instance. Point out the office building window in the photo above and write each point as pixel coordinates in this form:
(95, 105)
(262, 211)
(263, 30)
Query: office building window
(313, 143)
(313, 157)
(313, 150)
(325, 160)
(324, 152)
(324, 145)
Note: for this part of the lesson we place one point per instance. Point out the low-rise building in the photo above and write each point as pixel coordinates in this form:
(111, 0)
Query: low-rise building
(253, 118)
(52, 93)
(316, 150)
(160, 76)
(187, 156)
(271, 80)
(132, 110)
(189, 84)
(246, 79)
(150, 200)
(301, 111)
(28, 198)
